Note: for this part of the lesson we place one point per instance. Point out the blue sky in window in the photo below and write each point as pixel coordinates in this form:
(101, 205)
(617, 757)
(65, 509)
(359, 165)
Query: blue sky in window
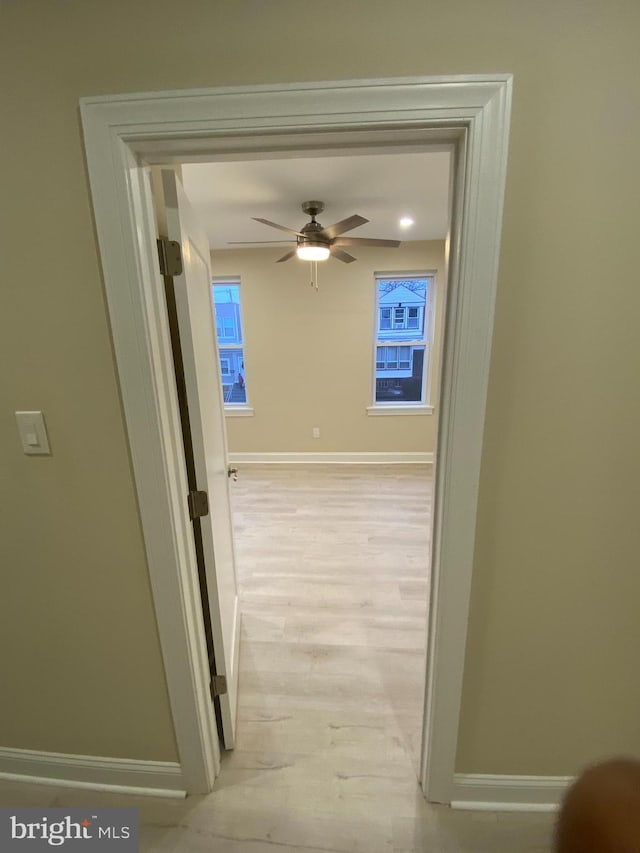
(228, 322)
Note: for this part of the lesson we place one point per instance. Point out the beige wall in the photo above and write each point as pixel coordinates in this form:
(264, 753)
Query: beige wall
(551, 677)
(309, 355)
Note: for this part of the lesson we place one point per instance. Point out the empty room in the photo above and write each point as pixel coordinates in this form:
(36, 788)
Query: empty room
(328, 373)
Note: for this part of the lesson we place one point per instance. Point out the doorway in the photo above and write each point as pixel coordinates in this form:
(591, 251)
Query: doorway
(332, 563)
(124, 133)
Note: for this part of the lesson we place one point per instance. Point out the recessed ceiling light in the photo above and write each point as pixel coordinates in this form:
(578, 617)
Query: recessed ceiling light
(406, 222)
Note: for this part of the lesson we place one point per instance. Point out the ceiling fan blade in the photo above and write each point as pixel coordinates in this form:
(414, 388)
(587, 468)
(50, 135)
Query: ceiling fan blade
(347, 224)
(365, 241)
(281, 227)
(256, 242)
(345, 257)
(286, 257)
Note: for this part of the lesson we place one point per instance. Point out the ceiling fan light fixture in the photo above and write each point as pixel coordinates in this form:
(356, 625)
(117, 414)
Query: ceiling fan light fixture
(317, 243)
(313, 252)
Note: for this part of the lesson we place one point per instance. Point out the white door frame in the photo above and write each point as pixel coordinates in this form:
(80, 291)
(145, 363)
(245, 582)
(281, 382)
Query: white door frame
(125, 133)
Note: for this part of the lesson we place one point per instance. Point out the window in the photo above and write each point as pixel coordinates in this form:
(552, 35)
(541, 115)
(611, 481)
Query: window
(404, 317)
(402, 339)
(228, 316)
(393, 358)
(226, 328)
(385, 318)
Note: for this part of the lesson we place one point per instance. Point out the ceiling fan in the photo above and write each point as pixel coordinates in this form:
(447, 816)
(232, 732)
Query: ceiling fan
(315, 243)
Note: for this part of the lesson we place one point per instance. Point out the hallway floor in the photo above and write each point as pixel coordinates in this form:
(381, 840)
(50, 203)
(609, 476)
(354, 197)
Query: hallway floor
(333, 580)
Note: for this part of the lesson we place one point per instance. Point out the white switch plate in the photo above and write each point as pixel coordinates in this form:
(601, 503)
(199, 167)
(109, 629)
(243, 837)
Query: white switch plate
(33, 433)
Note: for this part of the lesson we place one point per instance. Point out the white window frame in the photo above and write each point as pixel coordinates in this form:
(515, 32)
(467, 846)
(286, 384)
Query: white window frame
(232, 409)
(402, 321)
(423, 406)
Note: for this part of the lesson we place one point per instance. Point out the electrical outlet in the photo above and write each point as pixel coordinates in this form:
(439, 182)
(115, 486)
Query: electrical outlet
(315, 432)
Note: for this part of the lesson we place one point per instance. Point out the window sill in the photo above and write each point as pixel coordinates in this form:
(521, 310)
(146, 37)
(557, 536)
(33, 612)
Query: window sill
(392, 409)
(238, 411)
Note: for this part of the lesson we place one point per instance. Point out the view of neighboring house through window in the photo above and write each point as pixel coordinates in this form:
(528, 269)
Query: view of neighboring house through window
(228, 316)
(402, 345)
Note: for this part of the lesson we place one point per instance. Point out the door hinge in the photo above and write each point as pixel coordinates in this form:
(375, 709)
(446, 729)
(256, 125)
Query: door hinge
(198, 504)
(218, 685)
(170, 257)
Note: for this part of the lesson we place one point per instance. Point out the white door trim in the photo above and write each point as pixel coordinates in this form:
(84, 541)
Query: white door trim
(123, 132)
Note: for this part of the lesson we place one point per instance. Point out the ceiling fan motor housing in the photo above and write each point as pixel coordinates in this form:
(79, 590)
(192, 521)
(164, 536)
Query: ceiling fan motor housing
(312, 231)
(313, 234)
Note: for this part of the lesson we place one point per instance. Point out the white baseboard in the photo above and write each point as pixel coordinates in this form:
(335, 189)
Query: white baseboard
(508, 793)
(123, 775)
(333, 458)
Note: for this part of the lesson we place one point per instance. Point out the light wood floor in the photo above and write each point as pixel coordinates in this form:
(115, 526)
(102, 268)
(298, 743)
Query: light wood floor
(333, 578)
(332, 566)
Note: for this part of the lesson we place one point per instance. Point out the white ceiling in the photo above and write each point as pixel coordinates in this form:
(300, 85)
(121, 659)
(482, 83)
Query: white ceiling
(380, 187)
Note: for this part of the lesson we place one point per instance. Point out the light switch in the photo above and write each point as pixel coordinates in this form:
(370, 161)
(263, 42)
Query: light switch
(33, 433)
